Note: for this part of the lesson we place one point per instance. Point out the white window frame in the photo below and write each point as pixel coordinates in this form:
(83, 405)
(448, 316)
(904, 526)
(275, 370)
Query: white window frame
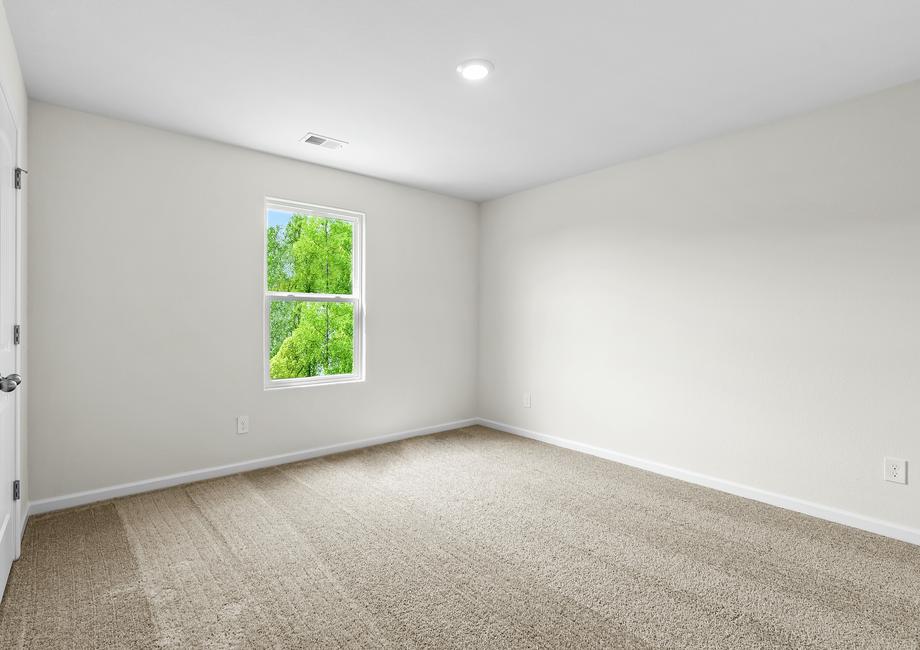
(356, 297)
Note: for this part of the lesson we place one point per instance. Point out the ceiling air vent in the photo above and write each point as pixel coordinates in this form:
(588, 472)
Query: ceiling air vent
(323, 141)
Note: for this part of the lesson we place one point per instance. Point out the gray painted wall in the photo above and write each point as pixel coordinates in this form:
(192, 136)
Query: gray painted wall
(747, 307)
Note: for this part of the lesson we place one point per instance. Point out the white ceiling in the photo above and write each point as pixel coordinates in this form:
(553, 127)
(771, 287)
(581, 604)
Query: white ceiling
(578, 84)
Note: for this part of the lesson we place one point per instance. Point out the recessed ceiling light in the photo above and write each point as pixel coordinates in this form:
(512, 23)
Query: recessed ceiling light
(475, 69)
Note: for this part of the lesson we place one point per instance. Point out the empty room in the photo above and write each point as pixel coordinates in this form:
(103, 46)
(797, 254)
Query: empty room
(415, 324)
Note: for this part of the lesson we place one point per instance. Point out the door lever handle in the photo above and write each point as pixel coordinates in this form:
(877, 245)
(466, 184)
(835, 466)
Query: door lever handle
(9, 383)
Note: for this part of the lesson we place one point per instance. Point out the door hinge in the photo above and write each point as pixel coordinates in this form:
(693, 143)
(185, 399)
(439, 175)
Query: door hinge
(17, 179)
(16, 334)
(16, 490)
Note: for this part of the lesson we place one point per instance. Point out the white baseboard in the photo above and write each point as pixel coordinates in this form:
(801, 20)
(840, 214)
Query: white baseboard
(828, 513)
(102, 494)
(880, 527)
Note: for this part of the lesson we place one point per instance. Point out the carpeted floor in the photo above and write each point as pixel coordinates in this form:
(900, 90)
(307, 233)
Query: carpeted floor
(465, 539)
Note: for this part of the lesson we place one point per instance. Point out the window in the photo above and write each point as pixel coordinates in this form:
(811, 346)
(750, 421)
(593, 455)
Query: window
(314, 296)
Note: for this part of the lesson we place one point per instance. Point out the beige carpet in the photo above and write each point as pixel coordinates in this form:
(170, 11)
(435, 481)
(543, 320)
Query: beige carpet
(464, 539)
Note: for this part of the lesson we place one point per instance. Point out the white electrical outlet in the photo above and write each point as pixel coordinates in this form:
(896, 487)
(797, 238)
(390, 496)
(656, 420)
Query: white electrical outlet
(896, 470)
(525, 400)
(242, 424)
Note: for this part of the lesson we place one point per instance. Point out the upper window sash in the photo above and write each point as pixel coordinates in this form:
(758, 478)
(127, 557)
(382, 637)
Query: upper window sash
(353, 219)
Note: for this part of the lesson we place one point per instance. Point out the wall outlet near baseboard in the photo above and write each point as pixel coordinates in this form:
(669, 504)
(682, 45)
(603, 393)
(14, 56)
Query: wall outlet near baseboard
(525, 400)
(896, 470)
(242, 424)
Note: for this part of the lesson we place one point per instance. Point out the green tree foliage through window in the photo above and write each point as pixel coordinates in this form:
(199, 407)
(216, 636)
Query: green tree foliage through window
(310, 254)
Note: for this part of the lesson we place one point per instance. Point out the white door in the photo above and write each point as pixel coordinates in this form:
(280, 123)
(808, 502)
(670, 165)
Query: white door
(8, 363)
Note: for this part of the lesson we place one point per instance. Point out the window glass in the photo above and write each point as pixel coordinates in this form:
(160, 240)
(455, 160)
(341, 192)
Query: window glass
(311, 339)
(308, 253)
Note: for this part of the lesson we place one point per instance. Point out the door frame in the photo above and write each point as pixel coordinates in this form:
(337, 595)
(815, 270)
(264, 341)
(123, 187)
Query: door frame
(17, 510)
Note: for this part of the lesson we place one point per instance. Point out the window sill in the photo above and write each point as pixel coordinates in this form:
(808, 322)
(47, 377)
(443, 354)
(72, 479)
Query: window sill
(281, 384)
